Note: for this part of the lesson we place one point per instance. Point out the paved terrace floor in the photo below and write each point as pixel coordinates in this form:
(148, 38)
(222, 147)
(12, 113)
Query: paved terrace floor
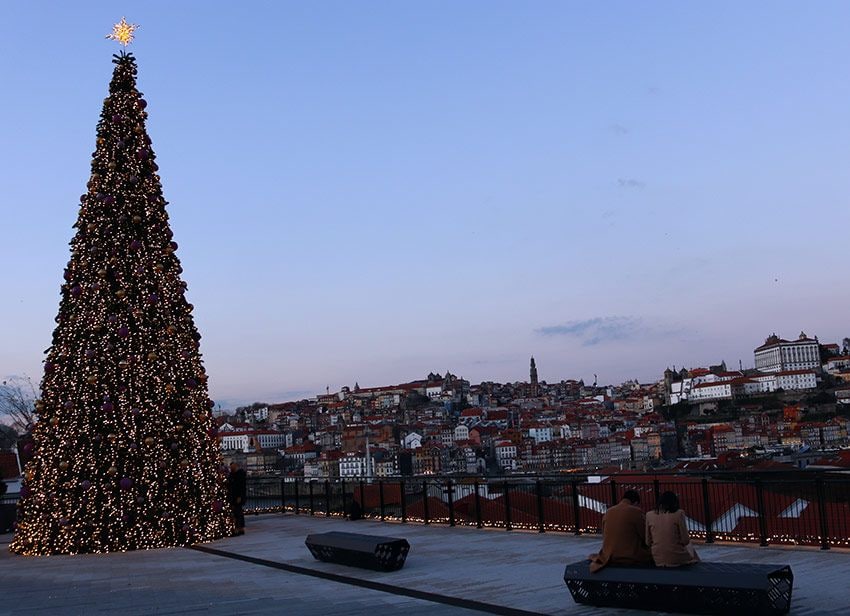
(504, 572)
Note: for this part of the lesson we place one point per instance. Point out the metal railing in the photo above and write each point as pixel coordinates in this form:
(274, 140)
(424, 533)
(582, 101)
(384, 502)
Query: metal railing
(798, 509)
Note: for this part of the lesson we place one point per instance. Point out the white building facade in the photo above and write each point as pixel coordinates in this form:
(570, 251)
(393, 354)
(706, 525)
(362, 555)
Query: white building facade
(778, 355)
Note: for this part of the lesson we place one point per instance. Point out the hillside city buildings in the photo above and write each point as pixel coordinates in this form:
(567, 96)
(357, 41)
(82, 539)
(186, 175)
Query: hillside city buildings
(791, 408)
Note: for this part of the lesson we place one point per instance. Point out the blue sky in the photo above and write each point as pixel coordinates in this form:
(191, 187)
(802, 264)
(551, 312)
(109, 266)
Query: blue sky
(369, 191)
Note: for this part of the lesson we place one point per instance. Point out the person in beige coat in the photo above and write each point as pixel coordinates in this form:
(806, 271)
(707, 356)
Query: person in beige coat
(667, 534)
(623, 535)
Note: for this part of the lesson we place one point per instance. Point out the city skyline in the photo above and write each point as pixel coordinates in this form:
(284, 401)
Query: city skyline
(371, 193)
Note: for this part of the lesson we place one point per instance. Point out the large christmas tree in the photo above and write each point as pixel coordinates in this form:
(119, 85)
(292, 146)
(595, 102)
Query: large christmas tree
(125, 455)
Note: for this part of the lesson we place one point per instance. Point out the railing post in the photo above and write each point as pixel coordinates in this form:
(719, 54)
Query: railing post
(282, 497)
(824, 523)
(706, 509)
(362, 498)
(344, 498)
(656, 490)
(450, 494)
(541, 522)
(310, 497)
(614, 499)
(576, 507)
(381, 498)
(425, 501)
(297, 496)
(478, 522)
(761, 512)
(403, 501)
(507, 498)
(327, 498)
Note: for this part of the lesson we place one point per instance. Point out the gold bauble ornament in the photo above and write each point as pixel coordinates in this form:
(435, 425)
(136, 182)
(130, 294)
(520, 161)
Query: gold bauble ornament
(112, 437)
(101, 140)
(54, 421)
(120, 293)
(39, 406)
(112, 166)
(123, 364)
(91, 227)
(169, 388)
(159, 267)
(63, 465)
(171, 330)
(149, 441)
(102, 272)
(137, 219)
(112, 470)
(152, 356)
(184, 463)
(178, 428)
(92, 380)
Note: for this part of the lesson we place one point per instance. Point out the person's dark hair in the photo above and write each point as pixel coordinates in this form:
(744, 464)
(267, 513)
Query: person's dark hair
(668, 503)
(632, 495)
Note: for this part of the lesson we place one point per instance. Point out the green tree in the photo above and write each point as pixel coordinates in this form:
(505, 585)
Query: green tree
(125, 455)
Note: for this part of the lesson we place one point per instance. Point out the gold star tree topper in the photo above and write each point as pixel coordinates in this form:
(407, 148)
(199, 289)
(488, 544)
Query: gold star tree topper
(123, 32)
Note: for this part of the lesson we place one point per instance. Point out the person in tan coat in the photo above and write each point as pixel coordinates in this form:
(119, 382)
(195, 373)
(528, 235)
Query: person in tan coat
(667, 534)
(623, 535)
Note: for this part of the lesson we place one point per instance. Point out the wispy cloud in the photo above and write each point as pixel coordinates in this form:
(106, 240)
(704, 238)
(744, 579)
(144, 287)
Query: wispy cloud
(631, 183)
(598, 330)
(619, 129)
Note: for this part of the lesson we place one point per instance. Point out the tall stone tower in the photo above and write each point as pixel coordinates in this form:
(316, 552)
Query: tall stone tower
(535, 387)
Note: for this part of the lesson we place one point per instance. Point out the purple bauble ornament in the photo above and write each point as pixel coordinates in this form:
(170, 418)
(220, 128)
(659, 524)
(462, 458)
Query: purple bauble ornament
(85, 484)
(217, 506)
(191, 383)
(174, 446)
(49, 366)
(135, 245)
(67, 275)
(107, 407)
(123, 332)
(76, 290)
(187, 414)
(69, 405)
(27, 448)
(89, 353)
(116, 119)
(133, 446)
(63, 521)
(141, 154)
(112, 318)
(135, 411)
(173, 245)
(133, 179)
(109, 199)
(140, 499)
(83, 198)
(126, 483)
(125, 518)
(153, 298)
(142, 103)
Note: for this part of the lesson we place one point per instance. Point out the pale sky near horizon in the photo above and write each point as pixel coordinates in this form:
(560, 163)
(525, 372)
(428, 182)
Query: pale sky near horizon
(370, 191)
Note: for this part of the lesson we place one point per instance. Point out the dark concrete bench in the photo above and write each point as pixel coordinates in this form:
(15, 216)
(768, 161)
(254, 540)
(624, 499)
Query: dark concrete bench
(356, 550)
(702, 588)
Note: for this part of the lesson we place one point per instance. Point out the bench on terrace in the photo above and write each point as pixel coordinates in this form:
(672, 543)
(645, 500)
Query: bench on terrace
(701, 588)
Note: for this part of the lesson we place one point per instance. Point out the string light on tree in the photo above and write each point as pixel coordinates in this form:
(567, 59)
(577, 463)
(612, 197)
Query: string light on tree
(124, 450)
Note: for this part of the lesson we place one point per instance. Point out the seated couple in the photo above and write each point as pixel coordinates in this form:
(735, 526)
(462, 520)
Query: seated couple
(629, 538)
